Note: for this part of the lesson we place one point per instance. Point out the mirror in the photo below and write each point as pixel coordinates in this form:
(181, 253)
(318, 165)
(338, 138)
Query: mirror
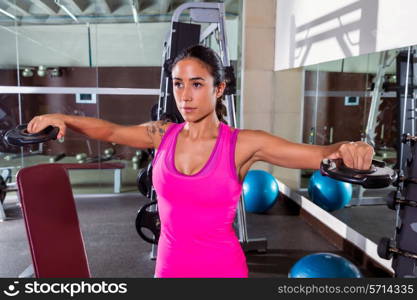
(88, 58)
(353, 99)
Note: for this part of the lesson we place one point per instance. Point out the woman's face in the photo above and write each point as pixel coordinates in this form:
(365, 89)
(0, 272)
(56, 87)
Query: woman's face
(194, 90)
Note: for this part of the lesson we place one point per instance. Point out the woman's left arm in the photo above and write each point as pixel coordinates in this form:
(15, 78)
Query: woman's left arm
(280, 152)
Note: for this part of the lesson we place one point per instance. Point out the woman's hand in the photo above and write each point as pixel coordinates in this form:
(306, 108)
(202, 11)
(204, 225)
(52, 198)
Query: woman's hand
(39, 123)
(356, 155)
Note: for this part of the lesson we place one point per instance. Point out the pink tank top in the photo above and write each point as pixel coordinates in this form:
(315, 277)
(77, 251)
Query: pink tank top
(197, 211)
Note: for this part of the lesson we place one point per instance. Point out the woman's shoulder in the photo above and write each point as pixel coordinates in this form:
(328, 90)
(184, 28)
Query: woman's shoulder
(160, 128)
(246, 133)
(165, 125)
(246, 137)
(246, 144)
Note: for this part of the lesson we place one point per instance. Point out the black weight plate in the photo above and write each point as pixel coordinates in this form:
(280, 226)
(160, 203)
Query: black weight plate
(151, 152)
(20, 137)
(378, 176)
(149, 220)
(143, 183)
(143, 158)
(149, 174)
(383, 248)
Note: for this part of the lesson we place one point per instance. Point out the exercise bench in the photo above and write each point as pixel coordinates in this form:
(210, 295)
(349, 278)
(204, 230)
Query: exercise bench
(51, 222)
(116, 166)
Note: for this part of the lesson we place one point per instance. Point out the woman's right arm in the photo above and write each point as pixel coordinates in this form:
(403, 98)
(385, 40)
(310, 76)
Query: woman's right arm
(143, 136)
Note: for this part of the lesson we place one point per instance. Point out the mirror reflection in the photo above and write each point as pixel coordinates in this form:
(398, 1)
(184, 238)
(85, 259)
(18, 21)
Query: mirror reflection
(358, 98)
(88, 58)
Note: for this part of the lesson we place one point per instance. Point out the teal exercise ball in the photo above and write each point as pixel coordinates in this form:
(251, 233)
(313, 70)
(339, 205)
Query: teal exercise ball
(328, 193)
(260, 191)
(324, 265)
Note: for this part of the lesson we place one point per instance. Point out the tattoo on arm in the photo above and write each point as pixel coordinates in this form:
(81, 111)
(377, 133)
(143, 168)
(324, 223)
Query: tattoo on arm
(155, 128)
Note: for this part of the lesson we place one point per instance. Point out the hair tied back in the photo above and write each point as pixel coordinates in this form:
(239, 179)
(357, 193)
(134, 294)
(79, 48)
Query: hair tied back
(229, 75)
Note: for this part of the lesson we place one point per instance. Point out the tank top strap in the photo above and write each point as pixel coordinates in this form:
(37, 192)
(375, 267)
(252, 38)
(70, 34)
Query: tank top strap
(232, 152)
(225, 158)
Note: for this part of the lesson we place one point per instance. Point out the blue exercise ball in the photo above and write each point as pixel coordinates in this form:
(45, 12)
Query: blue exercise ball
(260, 191)
(328, 193)
(324, 265)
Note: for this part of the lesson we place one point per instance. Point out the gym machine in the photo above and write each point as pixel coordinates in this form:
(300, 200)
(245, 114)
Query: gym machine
(181, 36)
(402, 248)
(386, 59)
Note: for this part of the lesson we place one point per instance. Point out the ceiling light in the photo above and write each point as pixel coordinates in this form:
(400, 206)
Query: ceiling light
(135, 11)
(8, 14)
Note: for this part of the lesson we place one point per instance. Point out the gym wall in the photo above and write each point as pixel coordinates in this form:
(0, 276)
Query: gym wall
(271, 100)
(347, 121)
(308, 33)
(121, 109)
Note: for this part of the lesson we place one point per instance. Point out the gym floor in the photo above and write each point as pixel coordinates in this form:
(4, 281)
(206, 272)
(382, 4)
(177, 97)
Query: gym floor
(115, 250)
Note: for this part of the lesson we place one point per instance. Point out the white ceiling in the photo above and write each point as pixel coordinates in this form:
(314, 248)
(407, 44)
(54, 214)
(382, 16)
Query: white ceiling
(95, 11)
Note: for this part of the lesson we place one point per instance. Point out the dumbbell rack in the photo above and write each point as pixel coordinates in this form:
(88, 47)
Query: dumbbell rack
(403, 247)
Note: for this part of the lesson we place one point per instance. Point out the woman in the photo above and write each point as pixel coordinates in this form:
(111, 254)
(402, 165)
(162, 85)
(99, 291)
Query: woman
(199, 167)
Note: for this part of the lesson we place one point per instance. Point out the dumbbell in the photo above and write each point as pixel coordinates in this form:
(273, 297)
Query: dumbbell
(57, 157)
(108, 152)
(135, 162)
(81, 157)
(140, 157)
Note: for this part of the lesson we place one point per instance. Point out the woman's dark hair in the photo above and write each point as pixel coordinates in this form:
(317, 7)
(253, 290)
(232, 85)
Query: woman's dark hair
(215, 66)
